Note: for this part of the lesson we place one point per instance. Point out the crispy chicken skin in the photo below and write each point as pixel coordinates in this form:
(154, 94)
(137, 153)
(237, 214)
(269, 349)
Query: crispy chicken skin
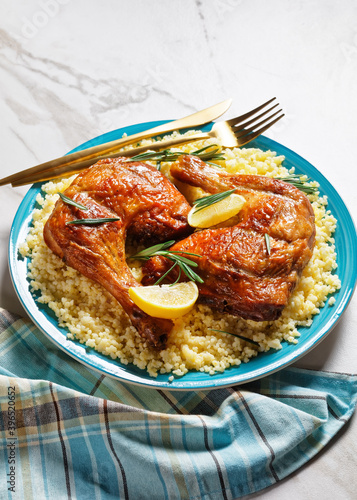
(240, 277)
(150, 209)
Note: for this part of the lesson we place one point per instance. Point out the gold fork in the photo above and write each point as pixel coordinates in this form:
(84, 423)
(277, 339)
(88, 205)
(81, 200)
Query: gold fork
(230, 133)
(245, 128)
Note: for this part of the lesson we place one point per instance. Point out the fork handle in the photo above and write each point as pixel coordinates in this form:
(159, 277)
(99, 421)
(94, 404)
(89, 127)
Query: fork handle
(73, 160)
(66, 170)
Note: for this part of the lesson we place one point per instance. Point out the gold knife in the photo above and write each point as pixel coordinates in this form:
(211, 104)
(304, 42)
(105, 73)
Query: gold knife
(103, 150)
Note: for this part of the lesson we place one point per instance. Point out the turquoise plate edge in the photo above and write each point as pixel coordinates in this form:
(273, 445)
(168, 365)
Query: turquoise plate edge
(262, 365)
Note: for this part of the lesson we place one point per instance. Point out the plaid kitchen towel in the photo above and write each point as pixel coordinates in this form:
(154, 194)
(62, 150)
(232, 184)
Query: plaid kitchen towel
(69, 433)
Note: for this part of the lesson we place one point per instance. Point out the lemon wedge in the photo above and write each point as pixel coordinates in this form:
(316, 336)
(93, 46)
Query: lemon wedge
(217, 212)
(165, 301)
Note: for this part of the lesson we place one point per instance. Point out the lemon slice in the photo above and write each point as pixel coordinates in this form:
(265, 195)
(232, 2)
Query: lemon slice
(217, 212)
(165, 301)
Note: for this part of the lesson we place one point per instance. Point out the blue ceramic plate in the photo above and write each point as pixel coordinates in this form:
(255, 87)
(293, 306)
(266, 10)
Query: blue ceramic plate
(264, 364)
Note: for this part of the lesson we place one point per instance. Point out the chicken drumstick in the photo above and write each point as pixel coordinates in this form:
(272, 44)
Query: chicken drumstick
(149, 208)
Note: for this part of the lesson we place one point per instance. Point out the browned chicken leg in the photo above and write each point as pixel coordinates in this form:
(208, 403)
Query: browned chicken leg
(149, 208)
(240, 277)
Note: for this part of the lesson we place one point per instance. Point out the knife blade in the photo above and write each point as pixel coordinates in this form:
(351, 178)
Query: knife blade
(194, 120)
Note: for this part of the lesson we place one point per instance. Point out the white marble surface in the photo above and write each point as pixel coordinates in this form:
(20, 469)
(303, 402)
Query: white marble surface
(73, 69)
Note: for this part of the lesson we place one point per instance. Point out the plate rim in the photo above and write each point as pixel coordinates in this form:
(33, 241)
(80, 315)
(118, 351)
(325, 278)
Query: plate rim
(210, 382)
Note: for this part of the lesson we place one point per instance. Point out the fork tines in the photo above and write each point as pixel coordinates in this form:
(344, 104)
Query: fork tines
(250, 125)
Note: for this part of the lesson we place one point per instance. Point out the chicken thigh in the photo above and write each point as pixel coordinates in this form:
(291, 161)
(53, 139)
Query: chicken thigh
(240, 275)
(149, 209)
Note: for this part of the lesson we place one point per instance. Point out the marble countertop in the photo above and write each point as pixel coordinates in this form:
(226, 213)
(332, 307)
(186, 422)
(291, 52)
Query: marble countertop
(71, 70)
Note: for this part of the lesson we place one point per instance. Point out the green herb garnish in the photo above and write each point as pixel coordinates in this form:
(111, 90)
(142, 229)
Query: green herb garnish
(210, 152)
(299, 182)
(93, 221)
(207, 201)
(236, 335)
(183, 263)
(267, 242)
(69, 201)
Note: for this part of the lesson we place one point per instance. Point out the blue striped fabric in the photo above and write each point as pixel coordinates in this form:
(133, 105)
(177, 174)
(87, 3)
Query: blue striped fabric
(69, 433)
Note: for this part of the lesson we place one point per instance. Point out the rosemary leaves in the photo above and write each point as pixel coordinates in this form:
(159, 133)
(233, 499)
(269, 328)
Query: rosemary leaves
(90, 222)
(184, 264)
(69, 201)
(207, 201)
(208, 153)
(301, 182)
(93, 222)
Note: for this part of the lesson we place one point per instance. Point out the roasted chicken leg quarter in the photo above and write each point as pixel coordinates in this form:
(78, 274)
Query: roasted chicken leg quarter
(241, 275)
(148, 207)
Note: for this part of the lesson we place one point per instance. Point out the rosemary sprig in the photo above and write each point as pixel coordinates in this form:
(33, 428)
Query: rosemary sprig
(205, 154)
(69, 201)
(93, 222)
(300, 183)
(207, 201)
(267, 242)
(246, 339)
(210, 152)
(185, 265)
(168, 272)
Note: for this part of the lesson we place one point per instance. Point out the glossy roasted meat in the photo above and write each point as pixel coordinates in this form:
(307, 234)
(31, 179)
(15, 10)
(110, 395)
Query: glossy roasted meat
(240, 277)
(150, 209)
